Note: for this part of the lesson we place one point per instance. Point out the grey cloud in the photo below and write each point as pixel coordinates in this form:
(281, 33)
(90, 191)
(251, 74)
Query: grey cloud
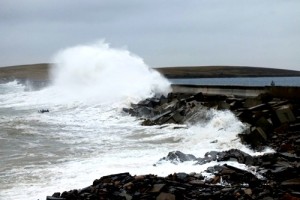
(164, 33)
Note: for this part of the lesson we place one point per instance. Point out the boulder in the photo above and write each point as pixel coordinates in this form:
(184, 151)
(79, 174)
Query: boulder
(54, 198)
(265, 125)
(43, 110)
(256, 138)
(178, 156)
(177, 116)
(165, 196)
(235, 155)
(222, 105)
(157, 188)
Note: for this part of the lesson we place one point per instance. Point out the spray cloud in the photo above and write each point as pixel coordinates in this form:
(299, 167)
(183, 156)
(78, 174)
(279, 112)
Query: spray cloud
(99, 72)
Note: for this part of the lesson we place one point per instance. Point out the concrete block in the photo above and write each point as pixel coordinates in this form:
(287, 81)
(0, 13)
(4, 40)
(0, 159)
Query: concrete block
(260, 133)
(255, 138)
(163, 100)
(177, 117)
(285, 114)
(170, 121)
(165, 196)
(251, 102)
(265, 125)
(223, 105)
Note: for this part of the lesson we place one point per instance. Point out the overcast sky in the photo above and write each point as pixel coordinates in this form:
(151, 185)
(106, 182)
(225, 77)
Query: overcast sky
(262, 33)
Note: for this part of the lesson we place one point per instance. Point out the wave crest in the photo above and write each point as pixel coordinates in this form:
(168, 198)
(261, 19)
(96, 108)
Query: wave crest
(99, 72)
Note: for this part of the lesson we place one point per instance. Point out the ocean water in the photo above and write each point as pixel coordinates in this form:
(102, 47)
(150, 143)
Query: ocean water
(244, 81)
(85, 134)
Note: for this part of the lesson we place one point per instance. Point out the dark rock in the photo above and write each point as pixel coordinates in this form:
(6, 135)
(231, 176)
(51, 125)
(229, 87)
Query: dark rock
(256, 138)
(165, 196)
(236, 155)
(230, 155)
(259, 107)
(145, 112)
(290, 157)
(56, 194)
(199, 97)
(251, 102)
(197, 182)
(181, 177)
(178, 156)
(295, 182)
(54, 198)
(157, 188)
(285, 114)
(208, 157)
(288, 196)
(265, 125)
(43, 110)
(159, 119)
(215, 169)
(294, 127)
(163, 100)
(221, 105)
(246, 116)
(272, 123)
(146, 103)
(130, 111)
(177, 116)
(265, 97)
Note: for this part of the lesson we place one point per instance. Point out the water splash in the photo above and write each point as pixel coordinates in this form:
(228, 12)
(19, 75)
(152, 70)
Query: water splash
(98, 72)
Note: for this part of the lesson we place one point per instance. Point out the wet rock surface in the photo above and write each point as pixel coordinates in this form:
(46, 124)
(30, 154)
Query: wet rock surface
(272, 123)
(228, 182)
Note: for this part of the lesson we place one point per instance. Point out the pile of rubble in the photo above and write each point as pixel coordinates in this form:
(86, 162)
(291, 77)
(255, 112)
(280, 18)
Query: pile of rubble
(281, 181)
(272, 122)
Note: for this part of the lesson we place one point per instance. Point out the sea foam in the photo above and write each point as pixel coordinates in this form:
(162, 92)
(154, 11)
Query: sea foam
(85, 133)
(100, 73)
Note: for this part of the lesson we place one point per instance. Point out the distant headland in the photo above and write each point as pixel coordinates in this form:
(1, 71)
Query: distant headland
(225, 72)
(39, 72)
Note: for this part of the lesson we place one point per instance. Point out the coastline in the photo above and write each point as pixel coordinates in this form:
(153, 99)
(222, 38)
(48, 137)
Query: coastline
(40, 72)
(33, 72)
(273, 176)
(273, 122)
(225, 72)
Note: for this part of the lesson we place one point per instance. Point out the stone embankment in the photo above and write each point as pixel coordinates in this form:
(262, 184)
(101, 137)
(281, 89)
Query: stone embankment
(272, 122)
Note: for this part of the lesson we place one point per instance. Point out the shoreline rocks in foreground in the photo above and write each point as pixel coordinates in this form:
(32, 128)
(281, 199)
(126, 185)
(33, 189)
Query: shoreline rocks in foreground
(279, 180)
(272, 123)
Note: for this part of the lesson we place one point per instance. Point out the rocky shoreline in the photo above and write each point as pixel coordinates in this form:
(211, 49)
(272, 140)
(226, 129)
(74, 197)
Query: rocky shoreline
(273, 122)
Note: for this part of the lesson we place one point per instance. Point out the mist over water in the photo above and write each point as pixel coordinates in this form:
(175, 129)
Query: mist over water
(98, 72)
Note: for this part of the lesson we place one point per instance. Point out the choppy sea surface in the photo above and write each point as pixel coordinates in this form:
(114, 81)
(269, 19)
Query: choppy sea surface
(77, 142)
(85, 134)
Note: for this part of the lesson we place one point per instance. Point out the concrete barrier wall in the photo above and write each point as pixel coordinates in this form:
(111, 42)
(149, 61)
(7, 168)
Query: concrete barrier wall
(245, 91)
(284, 92)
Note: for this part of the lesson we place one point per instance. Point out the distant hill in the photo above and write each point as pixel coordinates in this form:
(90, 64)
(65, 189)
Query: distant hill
(36, 72)
(224, 71)
(40, 72)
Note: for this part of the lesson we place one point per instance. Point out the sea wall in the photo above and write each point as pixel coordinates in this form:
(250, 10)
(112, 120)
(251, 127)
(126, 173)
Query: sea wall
(245, 91)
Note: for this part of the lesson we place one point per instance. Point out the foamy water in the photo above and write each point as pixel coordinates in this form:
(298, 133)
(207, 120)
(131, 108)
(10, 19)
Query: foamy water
(86, 135)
